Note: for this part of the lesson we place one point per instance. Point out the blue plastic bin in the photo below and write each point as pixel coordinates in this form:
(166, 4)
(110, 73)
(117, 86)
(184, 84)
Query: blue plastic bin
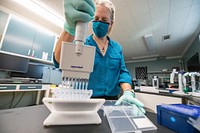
(175, 116)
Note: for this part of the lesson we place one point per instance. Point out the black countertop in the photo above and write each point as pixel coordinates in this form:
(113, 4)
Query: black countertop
(30, 120)
(195, 100)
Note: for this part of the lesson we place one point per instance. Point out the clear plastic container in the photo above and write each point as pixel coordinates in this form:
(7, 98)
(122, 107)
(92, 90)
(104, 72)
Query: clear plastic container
(125, 119)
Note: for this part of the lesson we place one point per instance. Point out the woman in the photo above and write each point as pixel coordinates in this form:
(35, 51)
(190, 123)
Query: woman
(109, 73)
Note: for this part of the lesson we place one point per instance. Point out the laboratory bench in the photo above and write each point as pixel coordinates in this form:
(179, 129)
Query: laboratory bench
(192, 100)
(164, 97)
(185, 98)
(39, 87)
(30, 120)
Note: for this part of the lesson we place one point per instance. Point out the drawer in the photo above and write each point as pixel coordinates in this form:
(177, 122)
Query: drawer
(30, 87)
(7, 87)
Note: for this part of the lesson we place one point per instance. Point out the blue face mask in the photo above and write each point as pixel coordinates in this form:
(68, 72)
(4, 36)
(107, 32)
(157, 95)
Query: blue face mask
(100, 28)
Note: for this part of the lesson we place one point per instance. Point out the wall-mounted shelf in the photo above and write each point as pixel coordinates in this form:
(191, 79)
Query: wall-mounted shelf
(31, 58)
(158, 72)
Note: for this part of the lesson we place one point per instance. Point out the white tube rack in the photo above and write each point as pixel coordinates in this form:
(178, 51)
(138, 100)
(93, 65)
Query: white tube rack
(72, 112)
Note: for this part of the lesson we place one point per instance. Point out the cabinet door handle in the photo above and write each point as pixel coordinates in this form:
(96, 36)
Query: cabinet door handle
(31, 87)
(29, 52)
(3, 87)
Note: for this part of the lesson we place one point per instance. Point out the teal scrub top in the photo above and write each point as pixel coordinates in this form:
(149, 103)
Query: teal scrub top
(109, 70)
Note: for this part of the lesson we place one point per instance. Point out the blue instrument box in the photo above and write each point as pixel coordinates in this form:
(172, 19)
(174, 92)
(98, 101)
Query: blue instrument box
(175, 116)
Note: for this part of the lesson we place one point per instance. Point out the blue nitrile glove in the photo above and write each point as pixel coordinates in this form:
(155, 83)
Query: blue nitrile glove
(129, 97)
(77, 10)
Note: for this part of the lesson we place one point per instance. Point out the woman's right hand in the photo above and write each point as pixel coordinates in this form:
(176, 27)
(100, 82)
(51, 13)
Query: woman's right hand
(77, 10)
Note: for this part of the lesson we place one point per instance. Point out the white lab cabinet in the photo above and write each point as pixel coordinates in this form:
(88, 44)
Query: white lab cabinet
(3, 22)
(151, 100)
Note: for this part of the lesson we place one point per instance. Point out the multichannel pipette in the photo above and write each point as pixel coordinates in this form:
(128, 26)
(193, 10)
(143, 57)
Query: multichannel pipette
(76, 63)
(71, 103)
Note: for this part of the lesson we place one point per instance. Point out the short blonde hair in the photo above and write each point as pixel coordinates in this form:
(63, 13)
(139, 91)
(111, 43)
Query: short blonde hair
(109, 5)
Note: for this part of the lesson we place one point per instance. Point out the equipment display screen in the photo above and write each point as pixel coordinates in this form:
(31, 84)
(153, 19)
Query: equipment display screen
(34, 71)
(193, 64)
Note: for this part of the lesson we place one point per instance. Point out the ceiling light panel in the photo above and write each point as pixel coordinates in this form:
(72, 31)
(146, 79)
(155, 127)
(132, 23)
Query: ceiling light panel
(39, 10)
(149, 41)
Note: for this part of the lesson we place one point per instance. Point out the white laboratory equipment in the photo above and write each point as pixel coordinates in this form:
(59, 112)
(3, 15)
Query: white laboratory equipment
(72, 112)
(70, 103)
(155, 82)
(193, 82)
(180, 83)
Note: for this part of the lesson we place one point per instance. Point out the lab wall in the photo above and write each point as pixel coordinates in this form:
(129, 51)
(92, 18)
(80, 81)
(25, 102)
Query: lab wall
(156, 66)
(194, 48)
